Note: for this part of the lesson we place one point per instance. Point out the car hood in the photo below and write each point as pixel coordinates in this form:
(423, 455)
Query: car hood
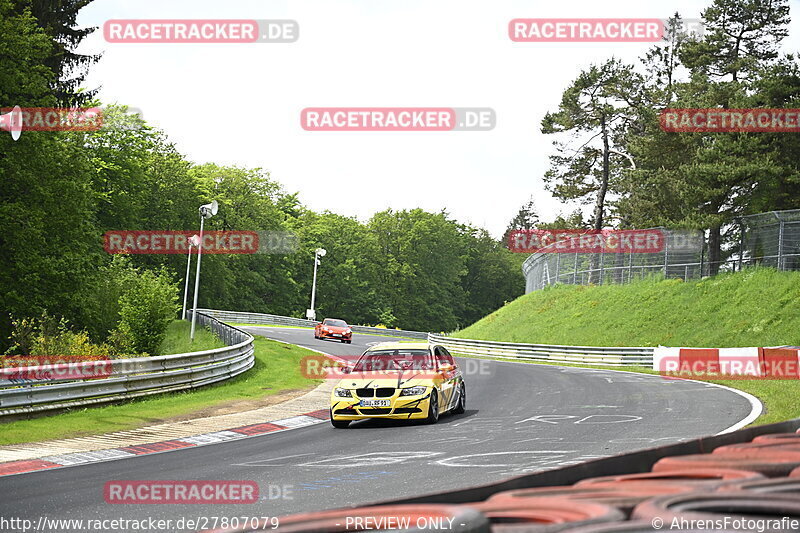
(361, 380)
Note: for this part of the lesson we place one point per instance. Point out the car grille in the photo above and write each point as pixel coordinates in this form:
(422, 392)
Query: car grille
(375, 411)
(382, 392)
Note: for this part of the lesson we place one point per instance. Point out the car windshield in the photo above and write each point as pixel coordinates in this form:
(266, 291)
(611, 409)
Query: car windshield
(396, 359)
(334, 322)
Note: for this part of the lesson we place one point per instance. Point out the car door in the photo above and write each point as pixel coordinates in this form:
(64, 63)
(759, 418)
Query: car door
(448, 377)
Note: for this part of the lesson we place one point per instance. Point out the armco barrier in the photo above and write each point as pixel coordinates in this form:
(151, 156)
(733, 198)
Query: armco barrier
(588, 355)
(130, 378)
(278, 320)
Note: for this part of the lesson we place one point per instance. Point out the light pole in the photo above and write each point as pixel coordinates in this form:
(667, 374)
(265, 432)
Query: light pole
(319, 252)
(194, 240)
(206, 211)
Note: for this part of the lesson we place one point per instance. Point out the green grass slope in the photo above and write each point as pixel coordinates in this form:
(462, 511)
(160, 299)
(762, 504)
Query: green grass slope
(755, 307)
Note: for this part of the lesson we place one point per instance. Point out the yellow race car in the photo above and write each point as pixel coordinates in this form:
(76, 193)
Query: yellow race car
(400, 380)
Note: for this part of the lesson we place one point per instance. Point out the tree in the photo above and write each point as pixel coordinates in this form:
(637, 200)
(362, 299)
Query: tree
(741, 35)
(58, 20)
(526, 218)
(596, 105)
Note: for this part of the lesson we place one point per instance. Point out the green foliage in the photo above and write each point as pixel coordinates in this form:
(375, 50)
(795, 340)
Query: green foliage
(147, 306)
(50, 336)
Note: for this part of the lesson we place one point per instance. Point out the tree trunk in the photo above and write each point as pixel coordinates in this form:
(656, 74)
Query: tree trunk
(600, 201)
(714, 250)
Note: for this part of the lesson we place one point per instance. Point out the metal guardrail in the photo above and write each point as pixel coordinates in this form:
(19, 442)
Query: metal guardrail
(278, 320)
(588, 355)
(131, 378)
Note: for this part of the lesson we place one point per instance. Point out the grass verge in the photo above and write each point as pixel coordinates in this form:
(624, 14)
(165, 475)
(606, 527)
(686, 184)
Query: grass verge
(276, 370)
(177, 339)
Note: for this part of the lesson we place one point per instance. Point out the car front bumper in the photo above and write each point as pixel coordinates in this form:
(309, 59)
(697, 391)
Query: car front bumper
(400, 408)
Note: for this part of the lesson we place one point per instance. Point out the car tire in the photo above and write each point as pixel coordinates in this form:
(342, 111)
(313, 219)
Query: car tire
(433, 408)
(339, 424)
(343, 341)
(349, 342)
(461, 406)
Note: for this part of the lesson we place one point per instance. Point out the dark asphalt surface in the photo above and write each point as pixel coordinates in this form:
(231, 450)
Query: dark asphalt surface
(520, 418)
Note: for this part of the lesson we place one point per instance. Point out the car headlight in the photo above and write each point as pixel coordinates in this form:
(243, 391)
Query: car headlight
(342, 393)
(348, 330)
(413, 391)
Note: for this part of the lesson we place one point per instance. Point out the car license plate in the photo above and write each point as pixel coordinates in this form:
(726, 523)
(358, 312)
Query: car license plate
(337, 334)
(374, 403)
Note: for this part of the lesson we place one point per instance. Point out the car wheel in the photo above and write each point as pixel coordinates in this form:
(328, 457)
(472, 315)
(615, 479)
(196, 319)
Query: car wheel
(433, 408)
(343, 341)
(349, 342)
(461, 406)
(339, 424)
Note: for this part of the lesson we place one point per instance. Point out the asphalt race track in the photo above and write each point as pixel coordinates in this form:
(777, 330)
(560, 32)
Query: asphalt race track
(520, 418)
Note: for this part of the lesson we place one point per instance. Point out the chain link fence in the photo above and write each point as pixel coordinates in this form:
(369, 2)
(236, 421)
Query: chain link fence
(766, 239)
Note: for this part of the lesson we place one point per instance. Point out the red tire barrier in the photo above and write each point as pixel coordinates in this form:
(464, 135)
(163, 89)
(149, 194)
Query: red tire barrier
(394, 518)
(621, 496)
(795, 473)
(740, 509)
(694, 476)
(770, 464)
(544, 515)
(781, 437)
(786, 485)
(767, 447)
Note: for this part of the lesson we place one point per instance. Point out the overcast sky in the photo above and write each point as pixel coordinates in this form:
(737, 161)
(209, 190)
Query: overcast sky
(240, 104)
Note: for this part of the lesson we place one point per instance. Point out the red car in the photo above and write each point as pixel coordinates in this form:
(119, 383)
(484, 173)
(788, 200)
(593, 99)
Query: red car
(333, 328)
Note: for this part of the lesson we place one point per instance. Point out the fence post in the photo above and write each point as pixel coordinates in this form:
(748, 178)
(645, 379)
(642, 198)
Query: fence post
(602, 265)
(780, 246)
(575, 273)
(558, 266)
(702, 253)
(741, 242)
(666, 256)
(630, 265)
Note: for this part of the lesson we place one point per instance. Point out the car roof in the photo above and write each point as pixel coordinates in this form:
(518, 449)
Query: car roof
(399, 345)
